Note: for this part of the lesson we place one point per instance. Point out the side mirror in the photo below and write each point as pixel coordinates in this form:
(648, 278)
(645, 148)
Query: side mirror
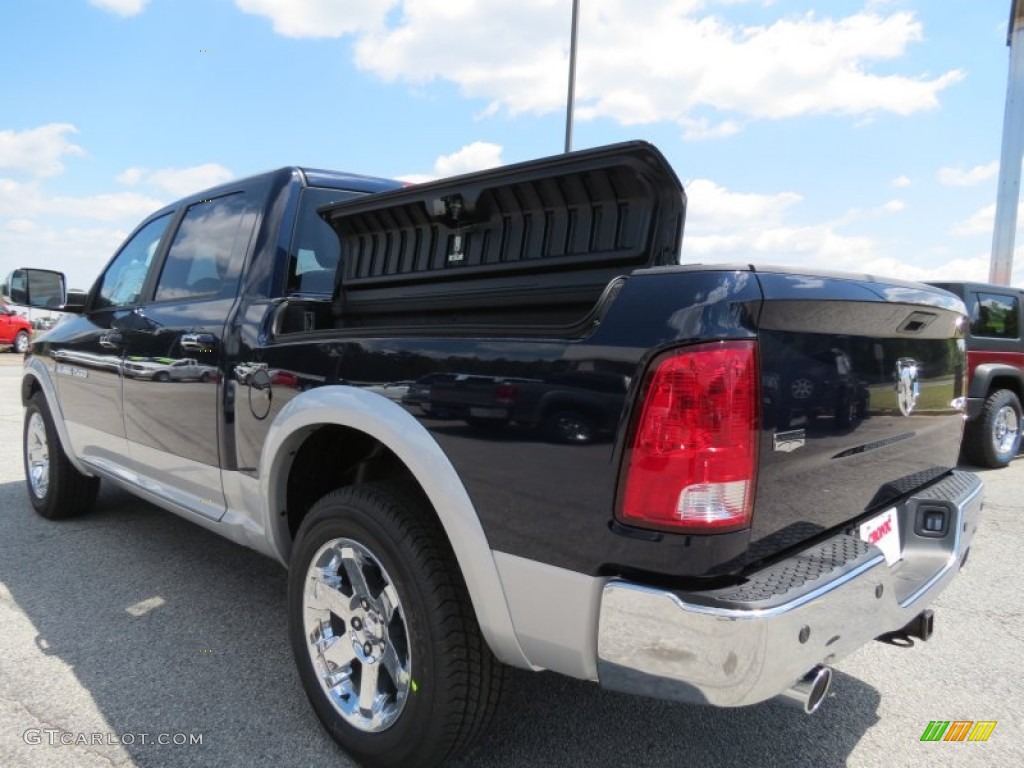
(41, 289)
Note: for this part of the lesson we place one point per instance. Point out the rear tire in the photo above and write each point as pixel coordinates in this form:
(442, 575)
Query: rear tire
(55, 488)
(993, 438)
(373, 583)
(569, 427)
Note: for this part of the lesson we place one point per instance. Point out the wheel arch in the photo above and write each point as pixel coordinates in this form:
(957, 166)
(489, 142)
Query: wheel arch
(352, 413)
(989, 377)
(37, 379)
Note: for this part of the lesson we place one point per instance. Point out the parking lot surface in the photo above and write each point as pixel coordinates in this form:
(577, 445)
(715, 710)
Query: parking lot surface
(132, 627)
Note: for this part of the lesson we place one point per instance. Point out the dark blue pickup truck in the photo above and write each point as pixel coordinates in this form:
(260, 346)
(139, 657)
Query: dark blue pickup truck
(703, 484)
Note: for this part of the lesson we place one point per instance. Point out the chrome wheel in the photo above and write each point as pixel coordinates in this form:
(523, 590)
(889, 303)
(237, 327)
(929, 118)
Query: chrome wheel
(356, 635)
(1005, 430)
(572, 428)
(21, 343)
(801, 389)
(38, 452)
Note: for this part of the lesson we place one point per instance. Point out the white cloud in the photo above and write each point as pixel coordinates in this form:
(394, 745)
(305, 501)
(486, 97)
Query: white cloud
(79, 252)
(722, 225)
(757, 228)
(957, 177)
(711, 207)
(971, 269)
(416, 178)
(178, 181)
(640, 61)
(121, 7)
(478, 156)
(131, 176)
(38, 151)
(75, 234)
(980, 222)
(319, 18)
(116, 207)
(654, 60)
(901, 181)
(697, 130)
(21, 225)
(28, 201)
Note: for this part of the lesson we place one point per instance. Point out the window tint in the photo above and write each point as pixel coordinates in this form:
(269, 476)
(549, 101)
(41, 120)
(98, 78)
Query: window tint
(199, 259)
(122, 283)
(315, 248)
(995, 316)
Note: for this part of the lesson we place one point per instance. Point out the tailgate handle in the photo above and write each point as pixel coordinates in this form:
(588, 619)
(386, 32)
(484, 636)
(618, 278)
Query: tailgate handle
(917, 322)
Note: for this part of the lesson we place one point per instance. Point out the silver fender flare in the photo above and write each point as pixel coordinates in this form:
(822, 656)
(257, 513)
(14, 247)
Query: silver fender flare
(397, 429)
(35, 368)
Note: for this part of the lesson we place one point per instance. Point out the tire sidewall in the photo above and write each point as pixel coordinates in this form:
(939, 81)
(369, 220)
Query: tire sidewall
(21, 343)
(555, 432)
(345, 520)
(43, 505)
(1002, 399)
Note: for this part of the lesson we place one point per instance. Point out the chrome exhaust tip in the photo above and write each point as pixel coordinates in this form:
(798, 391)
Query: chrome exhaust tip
(809, 691)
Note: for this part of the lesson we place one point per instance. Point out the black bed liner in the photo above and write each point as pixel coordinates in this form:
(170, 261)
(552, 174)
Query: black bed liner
(550, 232)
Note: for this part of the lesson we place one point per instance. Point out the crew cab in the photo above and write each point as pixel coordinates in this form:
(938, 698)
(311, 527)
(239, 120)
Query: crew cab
(726, 543)
(995, 364)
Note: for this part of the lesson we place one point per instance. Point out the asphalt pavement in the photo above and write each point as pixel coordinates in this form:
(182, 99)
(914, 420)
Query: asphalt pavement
(132, 627)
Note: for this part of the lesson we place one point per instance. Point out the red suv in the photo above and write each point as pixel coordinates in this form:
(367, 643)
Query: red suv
(995, 362)
(14, 330)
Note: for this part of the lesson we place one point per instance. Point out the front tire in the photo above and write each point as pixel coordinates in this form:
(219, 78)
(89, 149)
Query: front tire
(55, 488)
(20, 343)
(386, 642)
(993, 438)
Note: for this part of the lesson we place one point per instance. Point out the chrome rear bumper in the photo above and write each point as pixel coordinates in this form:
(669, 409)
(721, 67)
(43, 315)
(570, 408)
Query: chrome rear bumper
(741, 645)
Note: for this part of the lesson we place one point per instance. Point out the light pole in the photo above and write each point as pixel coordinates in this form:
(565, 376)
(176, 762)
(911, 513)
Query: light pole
(1008, 196)
(572, 75)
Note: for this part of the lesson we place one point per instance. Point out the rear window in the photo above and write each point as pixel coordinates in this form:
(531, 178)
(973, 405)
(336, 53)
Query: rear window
(995, 316)
(315, 249)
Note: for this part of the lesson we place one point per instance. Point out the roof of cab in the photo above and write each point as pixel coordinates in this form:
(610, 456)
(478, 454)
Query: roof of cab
(316, 177)
(310, 177)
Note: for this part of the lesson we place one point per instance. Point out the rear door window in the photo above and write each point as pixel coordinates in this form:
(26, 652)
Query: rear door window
(207, 249)
(995, 316)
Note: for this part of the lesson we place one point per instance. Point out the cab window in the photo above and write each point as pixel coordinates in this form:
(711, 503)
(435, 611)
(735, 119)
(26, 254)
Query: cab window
(122, 282)
(995, 316)
(315, 248)
(200, 259)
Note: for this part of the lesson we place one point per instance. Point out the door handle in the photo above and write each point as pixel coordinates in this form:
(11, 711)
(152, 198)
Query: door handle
(112, 341)
(198, 342)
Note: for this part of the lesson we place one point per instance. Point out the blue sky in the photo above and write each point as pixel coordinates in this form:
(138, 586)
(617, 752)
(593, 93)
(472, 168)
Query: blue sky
(855, 134)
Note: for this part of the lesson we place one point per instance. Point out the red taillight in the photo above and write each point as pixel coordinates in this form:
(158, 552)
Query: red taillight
(691, 465)
(506, 394)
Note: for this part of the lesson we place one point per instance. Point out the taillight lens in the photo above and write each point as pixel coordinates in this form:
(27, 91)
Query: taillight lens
(692, 463)
(506, 394)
